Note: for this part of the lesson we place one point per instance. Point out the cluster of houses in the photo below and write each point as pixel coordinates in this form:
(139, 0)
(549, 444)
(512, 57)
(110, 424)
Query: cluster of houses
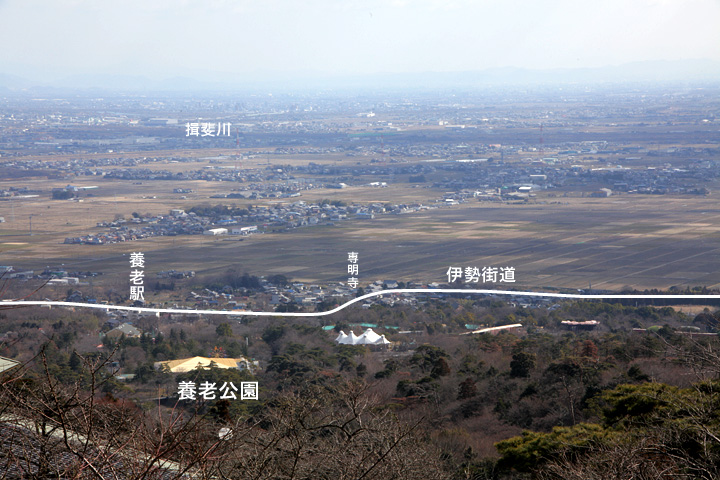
(18, 192)
(269, 295)
(293, 215)
(211, 298)
(176, 274)
(322, 297)
(214, 172)
(177, 222)
(503, 180)
(302, 295)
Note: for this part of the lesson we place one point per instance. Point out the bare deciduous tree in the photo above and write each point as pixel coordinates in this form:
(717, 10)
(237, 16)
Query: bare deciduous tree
(70, 431)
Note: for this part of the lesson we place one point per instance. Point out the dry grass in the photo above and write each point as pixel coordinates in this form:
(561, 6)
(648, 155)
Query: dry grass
(637, 241)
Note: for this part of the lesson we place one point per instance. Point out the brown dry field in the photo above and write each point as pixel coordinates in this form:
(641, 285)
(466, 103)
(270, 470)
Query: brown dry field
(625, 240)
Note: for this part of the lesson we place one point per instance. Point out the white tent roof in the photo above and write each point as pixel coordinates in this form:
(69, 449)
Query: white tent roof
(7, 363)
(369, 337)
(351, 339)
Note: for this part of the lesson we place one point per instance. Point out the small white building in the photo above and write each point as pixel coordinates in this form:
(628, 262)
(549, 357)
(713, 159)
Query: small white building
(64, 281)
(216, 231)
(243, 230)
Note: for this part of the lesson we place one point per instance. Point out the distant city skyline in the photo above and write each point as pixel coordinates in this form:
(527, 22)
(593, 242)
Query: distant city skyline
(47, 40)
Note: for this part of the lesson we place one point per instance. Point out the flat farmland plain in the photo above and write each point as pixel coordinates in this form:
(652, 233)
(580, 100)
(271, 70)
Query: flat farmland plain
(637, 241)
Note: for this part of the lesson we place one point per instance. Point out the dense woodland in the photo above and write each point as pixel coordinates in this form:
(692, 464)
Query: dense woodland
(543, 402)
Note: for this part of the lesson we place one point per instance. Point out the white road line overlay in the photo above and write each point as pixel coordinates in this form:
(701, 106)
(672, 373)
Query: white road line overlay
(347, 304)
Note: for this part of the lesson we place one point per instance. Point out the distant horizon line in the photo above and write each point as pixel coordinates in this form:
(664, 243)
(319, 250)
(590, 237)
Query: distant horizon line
(650, 71)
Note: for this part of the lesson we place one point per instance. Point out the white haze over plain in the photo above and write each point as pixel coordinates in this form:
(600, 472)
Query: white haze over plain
(262, 38)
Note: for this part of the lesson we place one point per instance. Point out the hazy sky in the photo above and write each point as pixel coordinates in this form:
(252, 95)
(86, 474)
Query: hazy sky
(160, 38)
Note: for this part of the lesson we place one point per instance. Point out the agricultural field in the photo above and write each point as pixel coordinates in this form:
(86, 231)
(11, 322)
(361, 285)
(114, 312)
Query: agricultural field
(563, 242)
